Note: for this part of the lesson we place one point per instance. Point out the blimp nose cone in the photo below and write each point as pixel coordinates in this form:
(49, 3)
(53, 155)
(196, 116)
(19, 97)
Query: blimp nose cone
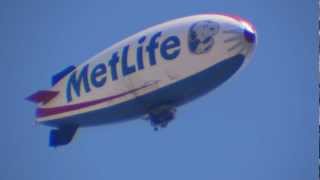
(249, 36)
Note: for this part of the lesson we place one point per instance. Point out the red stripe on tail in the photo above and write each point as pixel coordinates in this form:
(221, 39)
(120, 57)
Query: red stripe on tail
(42, 96)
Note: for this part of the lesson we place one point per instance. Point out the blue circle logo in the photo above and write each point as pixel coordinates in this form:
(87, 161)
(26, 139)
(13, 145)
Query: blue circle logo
(201, 36)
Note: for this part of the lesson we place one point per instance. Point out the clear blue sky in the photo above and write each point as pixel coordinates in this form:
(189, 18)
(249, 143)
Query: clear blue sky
(259, 125)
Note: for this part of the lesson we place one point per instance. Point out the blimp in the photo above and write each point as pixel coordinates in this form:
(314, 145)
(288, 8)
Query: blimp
(147, 75)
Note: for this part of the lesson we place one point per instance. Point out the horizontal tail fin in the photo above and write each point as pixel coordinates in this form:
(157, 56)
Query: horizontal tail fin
(62, 136)
(42, 96)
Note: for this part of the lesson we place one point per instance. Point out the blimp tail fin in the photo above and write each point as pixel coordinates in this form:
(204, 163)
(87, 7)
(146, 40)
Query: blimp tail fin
(42, 96)
(62, 135)
(57, 77)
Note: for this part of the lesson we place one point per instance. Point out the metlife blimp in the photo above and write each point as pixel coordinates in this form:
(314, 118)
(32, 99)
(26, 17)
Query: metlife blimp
(147, 75)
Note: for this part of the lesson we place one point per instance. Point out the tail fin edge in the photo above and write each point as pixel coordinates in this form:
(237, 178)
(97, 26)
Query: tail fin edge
(42, 96)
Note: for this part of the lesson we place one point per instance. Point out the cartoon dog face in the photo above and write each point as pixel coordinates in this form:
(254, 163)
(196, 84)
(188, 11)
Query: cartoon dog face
(201, 36)
(205, 30)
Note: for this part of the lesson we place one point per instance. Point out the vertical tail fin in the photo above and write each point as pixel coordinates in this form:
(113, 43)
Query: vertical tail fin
(62, 135)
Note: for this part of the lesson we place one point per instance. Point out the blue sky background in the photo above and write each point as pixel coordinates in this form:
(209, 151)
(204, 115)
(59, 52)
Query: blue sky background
(259, 125)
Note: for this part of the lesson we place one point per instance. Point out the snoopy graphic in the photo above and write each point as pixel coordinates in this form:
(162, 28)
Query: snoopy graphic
(201, 36)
